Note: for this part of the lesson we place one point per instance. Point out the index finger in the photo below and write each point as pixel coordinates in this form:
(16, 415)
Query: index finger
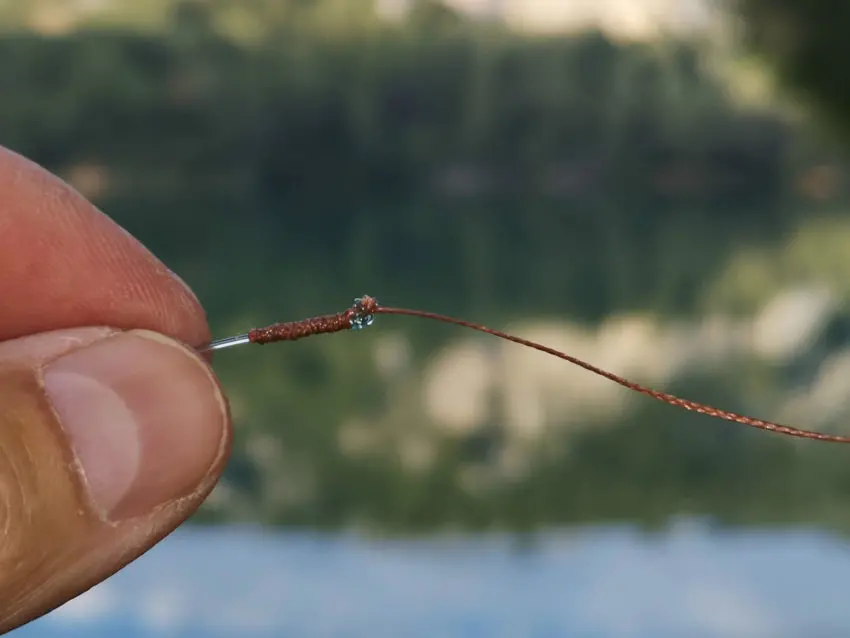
(64, 264)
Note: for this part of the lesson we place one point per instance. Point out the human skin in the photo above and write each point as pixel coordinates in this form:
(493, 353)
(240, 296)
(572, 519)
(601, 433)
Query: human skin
(112, 429)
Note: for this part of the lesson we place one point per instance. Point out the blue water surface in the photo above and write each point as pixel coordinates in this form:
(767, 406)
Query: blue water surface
(691, 580)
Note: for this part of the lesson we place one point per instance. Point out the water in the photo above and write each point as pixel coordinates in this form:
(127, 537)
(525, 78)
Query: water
(690, 580)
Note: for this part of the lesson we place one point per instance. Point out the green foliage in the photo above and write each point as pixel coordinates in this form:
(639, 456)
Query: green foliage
(806, 43)
(364, 154)
(439, 165)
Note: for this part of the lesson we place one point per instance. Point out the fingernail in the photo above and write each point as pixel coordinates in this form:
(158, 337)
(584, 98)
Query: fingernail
(144, 416)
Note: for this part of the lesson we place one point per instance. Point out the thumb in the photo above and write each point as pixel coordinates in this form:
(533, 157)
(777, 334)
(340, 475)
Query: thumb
(108, 441)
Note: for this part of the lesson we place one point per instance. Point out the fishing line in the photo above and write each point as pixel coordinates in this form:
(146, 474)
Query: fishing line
(362, 312)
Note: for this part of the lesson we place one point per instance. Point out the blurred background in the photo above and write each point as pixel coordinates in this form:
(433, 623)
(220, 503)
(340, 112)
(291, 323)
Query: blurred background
(657, 186)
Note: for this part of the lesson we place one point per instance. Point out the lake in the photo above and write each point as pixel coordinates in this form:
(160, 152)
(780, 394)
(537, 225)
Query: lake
(690, 580)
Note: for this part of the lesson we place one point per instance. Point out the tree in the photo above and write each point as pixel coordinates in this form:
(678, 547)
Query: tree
(807, 43)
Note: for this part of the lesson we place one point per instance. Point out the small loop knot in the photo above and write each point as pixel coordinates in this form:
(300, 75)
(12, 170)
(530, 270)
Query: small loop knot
(362, 312)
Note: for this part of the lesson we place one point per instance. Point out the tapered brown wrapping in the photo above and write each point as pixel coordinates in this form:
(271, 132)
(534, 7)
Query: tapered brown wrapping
(294, 330)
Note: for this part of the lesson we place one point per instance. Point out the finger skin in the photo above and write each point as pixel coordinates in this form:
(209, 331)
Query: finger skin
(55, 543)
(65, 264)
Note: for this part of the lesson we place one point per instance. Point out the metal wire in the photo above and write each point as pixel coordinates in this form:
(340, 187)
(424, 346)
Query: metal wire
(226, 342)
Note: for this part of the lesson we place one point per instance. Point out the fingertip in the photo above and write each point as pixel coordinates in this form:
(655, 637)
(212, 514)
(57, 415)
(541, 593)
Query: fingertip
(145, 416)
(108, 441)
(74, 266)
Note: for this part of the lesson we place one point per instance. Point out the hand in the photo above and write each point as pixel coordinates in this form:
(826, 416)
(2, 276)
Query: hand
(111, 433)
